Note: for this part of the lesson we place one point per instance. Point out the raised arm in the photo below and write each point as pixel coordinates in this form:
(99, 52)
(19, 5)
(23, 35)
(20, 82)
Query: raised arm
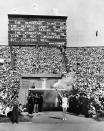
(59, 93)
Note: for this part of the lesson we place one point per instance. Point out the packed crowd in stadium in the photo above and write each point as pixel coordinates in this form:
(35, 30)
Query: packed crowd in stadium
(86, 62)
(38, 60)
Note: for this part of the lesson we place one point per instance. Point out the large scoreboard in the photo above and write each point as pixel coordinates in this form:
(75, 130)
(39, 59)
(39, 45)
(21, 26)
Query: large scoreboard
(36, 30)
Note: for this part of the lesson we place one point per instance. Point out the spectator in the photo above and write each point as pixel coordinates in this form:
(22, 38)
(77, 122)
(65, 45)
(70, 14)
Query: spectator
(8, 112)
(15, 112)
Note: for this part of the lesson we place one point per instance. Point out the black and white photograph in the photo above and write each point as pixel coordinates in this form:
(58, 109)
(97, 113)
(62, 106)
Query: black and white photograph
(51, 65)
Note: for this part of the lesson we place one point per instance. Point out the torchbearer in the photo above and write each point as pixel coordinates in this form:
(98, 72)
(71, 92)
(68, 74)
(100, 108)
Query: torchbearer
(64, 104)
(66, 84)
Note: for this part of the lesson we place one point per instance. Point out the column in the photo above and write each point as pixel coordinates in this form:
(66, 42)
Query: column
(44, 81)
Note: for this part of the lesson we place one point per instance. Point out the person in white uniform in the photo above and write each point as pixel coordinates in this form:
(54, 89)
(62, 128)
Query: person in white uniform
(64, 104)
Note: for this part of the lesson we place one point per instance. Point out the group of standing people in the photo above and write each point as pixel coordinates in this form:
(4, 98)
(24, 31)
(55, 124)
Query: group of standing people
(35, 103)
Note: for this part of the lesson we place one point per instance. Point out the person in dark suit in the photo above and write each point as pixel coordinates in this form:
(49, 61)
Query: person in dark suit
(40, 102)
(15, 112)
(30, 104)
(36, 103)
(8, 111)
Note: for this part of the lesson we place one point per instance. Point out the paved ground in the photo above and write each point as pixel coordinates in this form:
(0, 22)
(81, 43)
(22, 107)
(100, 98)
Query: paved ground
(52, 121)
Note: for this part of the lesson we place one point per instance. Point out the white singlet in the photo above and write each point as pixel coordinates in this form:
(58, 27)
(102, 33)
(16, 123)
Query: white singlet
(64, 102)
